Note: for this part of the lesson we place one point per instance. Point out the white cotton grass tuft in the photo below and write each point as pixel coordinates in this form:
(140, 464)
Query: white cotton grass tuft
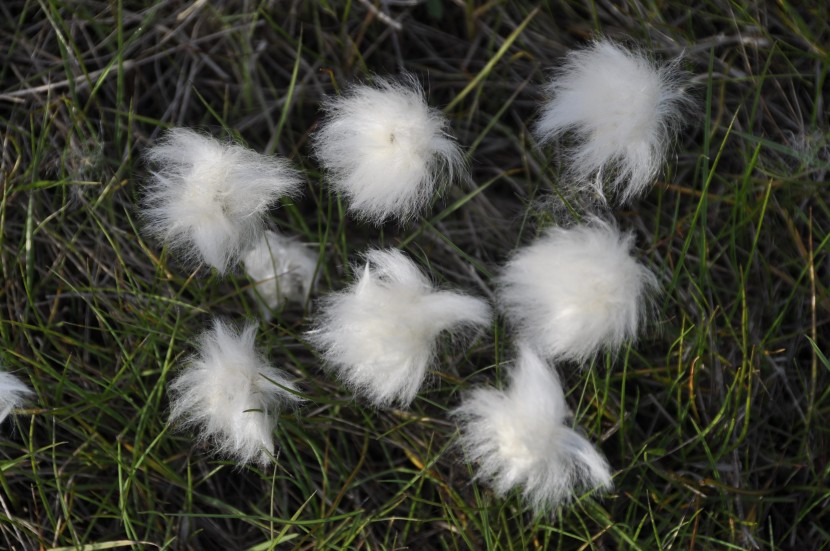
(208, 199)
(230, 393)
(282, 269)
(380, 335)
(519, 440)
(385, 149)
(13, 392)
(623, 109)
(576, 291)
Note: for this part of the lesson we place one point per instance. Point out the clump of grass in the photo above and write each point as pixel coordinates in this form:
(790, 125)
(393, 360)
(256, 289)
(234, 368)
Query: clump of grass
(715, 425)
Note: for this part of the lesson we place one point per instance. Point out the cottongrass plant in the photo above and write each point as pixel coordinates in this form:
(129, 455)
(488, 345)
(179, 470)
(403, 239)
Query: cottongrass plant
(13, 392)
(623, 110)
(208, 199)
(231, 395)
(577, 291)
(282, 270)
(380, 334)
(385, 149)
(520, 440)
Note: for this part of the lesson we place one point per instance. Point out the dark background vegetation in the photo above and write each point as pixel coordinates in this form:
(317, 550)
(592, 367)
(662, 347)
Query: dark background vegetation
(715, 423)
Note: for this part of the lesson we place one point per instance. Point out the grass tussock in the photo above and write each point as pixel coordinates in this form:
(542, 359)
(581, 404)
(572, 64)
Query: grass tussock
(715, 423)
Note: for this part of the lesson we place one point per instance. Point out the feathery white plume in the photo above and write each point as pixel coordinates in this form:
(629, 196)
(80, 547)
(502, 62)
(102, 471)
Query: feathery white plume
(575, 291)
(380, 334)
(624, 109)
(12, 393)
(519, 438)
(208, 199)
(231, 394)
(385, 149)
(283, 270)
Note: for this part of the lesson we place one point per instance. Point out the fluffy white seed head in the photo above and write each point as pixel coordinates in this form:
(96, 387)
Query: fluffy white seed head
(12, 394)
(207, 199)
(574, 292)
(385, 149)
(282, 269)
(623, 109)
(231, 395)
(520, 440)
(380, 334)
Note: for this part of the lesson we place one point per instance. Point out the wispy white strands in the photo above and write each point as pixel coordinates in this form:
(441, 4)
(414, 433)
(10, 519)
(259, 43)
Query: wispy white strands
(207, 199)
(380, 334)
(520, 441)
(385, 149)
(282, 269)
(576, 291)
(12, 394)
(623, 109)
(230, 393)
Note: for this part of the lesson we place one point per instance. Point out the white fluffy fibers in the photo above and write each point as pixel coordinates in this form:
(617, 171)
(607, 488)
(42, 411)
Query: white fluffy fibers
(282, 269)
(385, 149)
(576, 291)
(380, 334)
(12, 393)
(624, 110)
(519, 438)
(207, 199)
(231, 394)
